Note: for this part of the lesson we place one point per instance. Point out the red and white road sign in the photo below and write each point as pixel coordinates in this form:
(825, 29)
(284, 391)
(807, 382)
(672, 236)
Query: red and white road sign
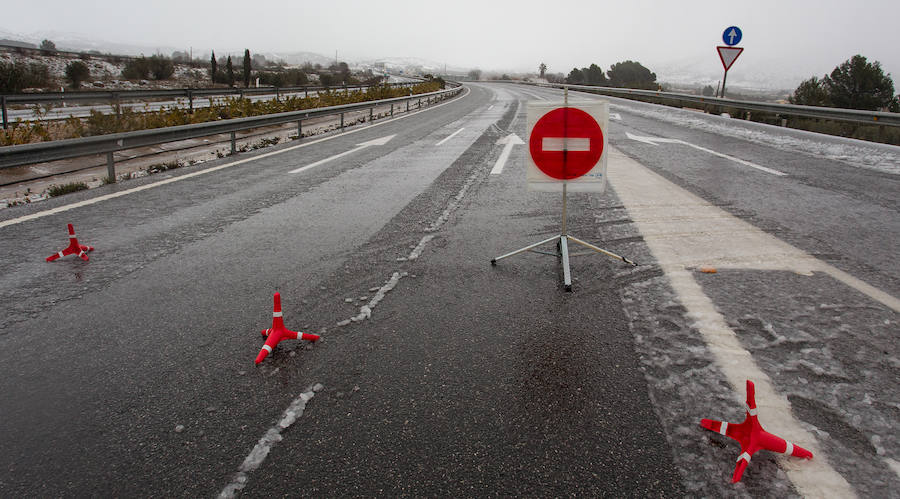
(567, 145)
(728, 55)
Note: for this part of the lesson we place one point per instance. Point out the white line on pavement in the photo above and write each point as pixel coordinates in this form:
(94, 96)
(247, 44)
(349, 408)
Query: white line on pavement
(450, 136)
(106, 197)
(660, 140)
(681, 242)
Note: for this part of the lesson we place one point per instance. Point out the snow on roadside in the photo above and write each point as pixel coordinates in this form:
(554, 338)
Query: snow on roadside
(861, 154)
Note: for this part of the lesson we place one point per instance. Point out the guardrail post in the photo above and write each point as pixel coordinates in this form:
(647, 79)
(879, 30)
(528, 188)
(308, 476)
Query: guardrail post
(371, 113)
(407, 105)
(111, 167)
(342, 122)
(392, 110)
(3, 104)
(306, 93)
(299, 129)
(277, 94)
(233, 145)
(191, 101)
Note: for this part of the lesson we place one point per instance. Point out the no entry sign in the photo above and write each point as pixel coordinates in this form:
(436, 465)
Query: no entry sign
(566, 145)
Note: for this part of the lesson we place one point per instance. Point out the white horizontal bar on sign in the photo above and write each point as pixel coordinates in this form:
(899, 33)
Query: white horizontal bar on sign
(565, 144)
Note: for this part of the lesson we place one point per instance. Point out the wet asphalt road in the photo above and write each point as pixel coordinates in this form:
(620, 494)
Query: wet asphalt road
(132, 374)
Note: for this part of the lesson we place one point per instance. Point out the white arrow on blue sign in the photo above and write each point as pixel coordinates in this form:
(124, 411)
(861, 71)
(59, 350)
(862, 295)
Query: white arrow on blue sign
(732, 36)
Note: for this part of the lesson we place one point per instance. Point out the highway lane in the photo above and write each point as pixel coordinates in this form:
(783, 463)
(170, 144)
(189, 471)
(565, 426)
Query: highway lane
(133, 374)
(807, 283)
(466, 379)
(171, 245)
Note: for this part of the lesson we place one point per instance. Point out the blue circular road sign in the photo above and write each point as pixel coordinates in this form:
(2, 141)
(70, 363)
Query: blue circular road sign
(732, 35)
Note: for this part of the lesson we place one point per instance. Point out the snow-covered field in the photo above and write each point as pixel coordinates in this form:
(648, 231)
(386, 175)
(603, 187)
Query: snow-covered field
(105, 74)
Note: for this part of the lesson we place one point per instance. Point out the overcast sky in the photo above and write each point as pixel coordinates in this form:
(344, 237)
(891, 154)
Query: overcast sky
(803, 37)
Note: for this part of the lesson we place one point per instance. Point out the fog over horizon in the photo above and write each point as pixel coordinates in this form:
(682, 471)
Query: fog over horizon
(784, 42)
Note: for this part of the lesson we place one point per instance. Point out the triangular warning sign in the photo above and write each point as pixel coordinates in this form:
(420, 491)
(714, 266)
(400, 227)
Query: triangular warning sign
(729, 55)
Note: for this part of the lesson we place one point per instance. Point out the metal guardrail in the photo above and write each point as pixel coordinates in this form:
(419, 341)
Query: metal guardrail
(116, 96)
(783, 110)
(41, 152)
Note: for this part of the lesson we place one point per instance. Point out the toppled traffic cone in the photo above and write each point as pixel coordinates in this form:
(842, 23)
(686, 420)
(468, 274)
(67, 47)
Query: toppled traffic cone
(278, 332)
(73, 249)
(752, 437)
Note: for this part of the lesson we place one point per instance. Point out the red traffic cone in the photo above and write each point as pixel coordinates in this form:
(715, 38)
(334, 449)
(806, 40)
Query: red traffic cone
(278, 332)
(73, 249)
(752, 437)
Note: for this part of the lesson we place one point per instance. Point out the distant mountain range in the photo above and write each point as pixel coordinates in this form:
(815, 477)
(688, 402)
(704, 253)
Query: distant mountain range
(78, 43)
(707, 70)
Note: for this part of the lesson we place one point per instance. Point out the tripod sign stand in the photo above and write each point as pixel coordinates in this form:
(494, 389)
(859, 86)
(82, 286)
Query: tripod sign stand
(566, 146)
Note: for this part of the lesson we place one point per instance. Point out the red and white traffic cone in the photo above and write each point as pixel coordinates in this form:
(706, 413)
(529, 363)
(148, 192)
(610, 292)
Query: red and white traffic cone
(278, 332)
(752, 437)
(73, 249)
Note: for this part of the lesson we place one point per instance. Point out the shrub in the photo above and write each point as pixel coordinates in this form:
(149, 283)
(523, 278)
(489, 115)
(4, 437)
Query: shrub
(77, 72)
(14, 76)
(161, 167)
(161, 68)
(59, 190)
(137, 69)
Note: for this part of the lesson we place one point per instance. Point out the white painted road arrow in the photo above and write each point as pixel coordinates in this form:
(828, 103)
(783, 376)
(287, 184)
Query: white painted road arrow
(509, 141)
(376, 142)
(655, 141)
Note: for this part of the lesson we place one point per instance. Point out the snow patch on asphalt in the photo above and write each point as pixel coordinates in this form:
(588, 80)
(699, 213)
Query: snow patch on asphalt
(365, 312)
(454, 203)
(272, 436)
(417, 251)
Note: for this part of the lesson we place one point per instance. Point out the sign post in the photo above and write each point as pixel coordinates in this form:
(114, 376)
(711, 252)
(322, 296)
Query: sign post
(566, 151)
(729, 53)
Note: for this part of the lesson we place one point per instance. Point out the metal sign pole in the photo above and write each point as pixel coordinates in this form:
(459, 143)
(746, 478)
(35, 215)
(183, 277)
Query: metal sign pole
(565, 151)
(724, 78)
(562, 240)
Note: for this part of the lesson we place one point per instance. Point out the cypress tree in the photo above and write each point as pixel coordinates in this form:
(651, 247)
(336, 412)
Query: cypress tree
(213, 67)
(247, 68)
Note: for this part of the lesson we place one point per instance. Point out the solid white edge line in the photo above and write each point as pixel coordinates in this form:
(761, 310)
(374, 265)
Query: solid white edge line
(105, 197)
